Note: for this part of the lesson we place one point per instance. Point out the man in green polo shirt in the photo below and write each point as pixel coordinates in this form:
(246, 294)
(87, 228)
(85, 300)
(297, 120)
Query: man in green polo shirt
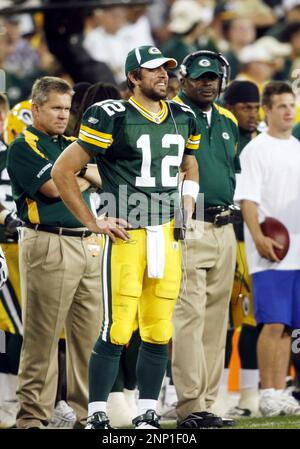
(201, 313)
(59, 262)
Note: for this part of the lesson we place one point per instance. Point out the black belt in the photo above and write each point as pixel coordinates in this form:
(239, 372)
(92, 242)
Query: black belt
(221, 215)
(60, 231)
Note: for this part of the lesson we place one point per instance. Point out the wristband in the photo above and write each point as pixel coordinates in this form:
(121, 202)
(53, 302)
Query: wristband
(190, 188)
(3, 215)
(82, 172)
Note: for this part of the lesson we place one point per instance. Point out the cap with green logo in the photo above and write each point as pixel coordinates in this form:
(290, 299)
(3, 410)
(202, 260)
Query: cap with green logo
(148, 57)
(201, 65)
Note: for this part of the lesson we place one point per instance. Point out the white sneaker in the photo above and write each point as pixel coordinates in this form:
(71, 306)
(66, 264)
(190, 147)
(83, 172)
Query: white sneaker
(63, 416)
(118, 410)
(270, 404)
(238, 413)
(8, 414)
(289, 405)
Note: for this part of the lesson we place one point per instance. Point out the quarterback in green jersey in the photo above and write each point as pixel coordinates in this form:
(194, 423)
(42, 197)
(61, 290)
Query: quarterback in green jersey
(139, 146)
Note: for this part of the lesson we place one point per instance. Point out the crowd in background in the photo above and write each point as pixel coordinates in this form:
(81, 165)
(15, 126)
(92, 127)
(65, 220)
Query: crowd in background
(261, 40)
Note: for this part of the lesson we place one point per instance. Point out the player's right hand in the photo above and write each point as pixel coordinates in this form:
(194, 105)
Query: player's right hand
(265, 246)
(113, 227)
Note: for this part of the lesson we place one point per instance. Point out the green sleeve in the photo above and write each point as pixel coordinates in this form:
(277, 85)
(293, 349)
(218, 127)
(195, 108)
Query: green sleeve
(27, 167)
(193, 143)
(97, 127)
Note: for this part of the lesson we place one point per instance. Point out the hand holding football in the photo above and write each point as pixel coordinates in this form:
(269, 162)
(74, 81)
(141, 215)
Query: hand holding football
(276, 230)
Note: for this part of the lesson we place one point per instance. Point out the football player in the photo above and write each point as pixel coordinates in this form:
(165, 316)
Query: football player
(139, 146)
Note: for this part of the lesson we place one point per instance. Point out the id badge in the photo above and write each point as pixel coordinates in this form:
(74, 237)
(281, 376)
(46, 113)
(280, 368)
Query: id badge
(94, 244)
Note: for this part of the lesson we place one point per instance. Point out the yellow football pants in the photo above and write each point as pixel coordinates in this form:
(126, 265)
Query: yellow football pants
(128, 292)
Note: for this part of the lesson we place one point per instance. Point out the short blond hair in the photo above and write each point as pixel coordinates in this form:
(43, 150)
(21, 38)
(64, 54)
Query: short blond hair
(43, 86)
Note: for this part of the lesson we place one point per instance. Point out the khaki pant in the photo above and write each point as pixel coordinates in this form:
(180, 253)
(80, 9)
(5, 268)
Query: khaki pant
(61, 288)
(201, 315)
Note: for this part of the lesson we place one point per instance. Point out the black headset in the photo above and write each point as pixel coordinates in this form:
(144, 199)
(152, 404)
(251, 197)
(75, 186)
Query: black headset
(223, 65)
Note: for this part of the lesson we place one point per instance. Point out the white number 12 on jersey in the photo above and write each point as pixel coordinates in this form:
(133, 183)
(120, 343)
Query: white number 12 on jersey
(146, 180)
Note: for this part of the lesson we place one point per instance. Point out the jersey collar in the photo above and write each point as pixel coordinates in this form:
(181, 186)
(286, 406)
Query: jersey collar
(183, 98)
(44, 136)
(155, 118)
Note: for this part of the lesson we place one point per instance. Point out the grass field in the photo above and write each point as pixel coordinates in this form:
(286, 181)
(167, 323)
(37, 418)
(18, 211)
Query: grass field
(277, 422)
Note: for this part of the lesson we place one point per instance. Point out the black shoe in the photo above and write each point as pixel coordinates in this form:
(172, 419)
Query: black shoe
(98, 420)
(150, 420)
(296, 394)
(200, 420)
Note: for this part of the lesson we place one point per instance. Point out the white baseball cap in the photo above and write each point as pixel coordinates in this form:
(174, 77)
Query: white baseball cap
(185, 14)
(265, 49)
(290, 4)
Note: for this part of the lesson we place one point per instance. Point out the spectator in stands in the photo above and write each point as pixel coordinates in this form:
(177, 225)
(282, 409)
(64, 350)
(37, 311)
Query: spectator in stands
(261, 60)
(22, 58)
(291, 34)
(137, 30)
(188, 20)
(105, 44)
(239, 32)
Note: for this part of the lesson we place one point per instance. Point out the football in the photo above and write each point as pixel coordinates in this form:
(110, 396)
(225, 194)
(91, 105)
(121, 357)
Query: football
(273, 228)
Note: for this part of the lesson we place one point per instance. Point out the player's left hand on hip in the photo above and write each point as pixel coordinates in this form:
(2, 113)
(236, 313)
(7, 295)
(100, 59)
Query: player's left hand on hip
(113, 227)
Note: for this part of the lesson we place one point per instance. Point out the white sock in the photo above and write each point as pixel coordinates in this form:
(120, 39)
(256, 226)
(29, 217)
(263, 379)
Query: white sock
(249, 378)
(146, 404)
(97, 406)
(13, 382)
(6, 390)
(268, 391)
(249, 398)
(166, 381)
(171, 395)
(224, 380)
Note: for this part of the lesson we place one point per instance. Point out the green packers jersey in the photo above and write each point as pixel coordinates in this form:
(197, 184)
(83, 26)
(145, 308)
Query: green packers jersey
(218, 160)
(138, 155)
(29, 163)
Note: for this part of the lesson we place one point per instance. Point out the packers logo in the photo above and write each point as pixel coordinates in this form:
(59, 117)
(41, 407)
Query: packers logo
(154, 51)
(246, 305)
(25, 115)
(93, 120)
(204, 63)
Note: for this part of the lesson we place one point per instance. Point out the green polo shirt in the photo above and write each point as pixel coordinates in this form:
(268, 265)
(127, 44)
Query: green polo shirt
(29, 163)
(217, 157)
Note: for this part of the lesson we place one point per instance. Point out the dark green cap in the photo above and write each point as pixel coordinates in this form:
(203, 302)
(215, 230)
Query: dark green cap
(148, 57)
(201, 65)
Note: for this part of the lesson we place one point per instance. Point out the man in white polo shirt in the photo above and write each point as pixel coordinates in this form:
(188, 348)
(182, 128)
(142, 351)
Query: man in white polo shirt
(269, 186)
